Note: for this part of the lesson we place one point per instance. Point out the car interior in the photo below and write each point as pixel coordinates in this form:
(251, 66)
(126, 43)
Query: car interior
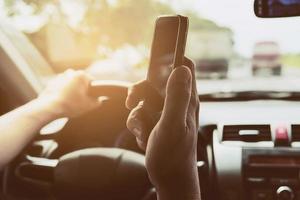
(248, 141)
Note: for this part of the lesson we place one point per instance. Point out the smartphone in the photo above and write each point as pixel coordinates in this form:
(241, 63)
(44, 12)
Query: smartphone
(167, 51)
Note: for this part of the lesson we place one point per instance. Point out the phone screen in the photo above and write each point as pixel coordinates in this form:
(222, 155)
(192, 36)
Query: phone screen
(163, 52)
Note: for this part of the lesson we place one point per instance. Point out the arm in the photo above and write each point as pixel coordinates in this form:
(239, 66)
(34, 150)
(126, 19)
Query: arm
(19, 126)
(171, 143)
(65, 96)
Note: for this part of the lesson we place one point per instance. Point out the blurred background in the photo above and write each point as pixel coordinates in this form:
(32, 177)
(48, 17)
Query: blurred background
(111, 39)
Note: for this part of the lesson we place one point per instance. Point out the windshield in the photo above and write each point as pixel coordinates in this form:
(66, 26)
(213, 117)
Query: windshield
(233, 50)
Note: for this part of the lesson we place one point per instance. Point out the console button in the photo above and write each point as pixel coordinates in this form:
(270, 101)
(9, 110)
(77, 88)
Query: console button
(281, 136)
(285, 193)
(256, 180)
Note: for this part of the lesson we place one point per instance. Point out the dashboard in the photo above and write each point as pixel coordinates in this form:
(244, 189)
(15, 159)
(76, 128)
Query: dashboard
(246, 149)
(254, 149)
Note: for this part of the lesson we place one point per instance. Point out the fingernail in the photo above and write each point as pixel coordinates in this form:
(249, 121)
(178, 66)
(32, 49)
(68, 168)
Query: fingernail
(103, 98)
(184, 73)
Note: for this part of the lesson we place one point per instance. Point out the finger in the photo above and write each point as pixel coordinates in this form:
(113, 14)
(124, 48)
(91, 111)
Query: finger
(194, 102)
(136, 94)
(138, 123)
(102, 100)
(178, 95)
(97, 102)
(190, 64)
(90, 77)
(194, 106)
(83, 77)
(143, 91)
(141, 144)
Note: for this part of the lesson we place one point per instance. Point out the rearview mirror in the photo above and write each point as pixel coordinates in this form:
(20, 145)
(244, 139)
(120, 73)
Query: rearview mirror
(276, 8)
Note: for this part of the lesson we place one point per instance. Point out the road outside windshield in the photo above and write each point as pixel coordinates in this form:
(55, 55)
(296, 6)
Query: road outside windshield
(232, 49)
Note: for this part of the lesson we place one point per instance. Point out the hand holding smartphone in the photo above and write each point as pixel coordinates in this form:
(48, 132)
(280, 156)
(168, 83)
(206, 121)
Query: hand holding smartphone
(170, 164)
(167, 52)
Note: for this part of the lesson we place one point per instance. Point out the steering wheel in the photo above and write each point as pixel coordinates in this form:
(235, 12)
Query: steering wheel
(83, 172)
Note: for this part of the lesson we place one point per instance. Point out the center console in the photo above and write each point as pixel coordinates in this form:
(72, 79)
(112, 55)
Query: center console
(271, 174)
(257, 162)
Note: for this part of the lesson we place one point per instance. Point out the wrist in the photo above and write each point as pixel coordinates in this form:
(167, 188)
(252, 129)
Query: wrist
(46, 109)
(182, 186)
(174, 193)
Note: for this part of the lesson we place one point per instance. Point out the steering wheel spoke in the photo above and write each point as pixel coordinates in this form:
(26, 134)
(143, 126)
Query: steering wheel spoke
(37, 171)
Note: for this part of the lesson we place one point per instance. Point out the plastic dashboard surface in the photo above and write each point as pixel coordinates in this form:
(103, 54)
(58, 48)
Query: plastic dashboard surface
(237, 176)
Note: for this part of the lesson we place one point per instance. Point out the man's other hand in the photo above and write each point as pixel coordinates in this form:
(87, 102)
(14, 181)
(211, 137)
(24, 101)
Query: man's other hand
(67, 94)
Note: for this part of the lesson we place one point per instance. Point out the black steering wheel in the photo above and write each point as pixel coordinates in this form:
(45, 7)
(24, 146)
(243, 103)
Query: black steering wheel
(62, 171)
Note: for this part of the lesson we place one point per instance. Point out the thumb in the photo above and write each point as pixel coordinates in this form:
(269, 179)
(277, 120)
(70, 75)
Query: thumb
(178, 95)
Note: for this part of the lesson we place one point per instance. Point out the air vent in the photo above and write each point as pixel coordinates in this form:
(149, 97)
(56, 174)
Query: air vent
(295, 132)
(247, 133)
